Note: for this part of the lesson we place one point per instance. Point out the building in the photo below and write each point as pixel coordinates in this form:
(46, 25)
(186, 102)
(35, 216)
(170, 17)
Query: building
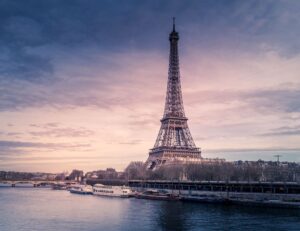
(174, 143)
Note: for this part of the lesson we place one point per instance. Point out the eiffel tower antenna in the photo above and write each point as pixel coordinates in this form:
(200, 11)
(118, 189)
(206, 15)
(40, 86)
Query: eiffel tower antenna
(174, 141)
(174, 23)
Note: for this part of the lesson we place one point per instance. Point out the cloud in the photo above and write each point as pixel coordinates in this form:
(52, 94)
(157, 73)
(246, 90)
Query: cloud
(132, 142)
(43, 45)
(284, 131)
(286, 100)
(270, 149)
(143, 120)
(34, 35)
(104, 88)
(62, 132)
(254, 154)
(13, 151)
(268, 100)
(100, 68)
(46, 125)
(7, 144)
(13, 133)
(21, 149)
(121, 88)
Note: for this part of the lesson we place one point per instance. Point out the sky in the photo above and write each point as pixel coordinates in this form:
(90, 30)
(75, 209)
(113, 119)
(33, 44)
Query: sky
(83, 83)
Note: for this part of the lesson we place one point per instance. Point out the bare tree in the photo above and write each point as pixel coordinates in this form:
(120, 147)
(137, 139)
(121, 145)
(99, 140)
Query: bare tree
(135, 170)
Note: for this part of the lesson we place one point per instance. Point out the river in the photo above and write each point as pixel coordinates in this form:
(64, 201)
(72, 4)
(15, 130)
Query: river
(45, 209)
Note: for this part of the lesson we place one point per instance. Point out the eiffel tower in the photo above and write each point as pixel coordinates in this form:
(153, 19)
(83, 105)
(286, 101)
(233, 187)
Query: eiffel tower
(174, 143)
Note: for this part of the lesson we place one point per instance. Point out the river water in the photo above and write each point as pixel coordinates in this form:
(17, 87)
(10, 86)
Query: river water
(45, 209)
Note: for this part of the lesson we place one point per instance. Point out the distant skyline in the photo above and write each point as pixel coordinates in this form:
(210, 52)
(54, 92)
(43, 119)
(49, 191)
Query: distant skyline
(83, 83)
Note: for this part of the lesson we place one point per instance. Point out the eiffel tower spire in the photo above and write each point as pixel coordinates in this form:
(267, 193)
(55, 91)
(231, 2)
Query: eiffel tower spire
(174, 140)
(174, 104)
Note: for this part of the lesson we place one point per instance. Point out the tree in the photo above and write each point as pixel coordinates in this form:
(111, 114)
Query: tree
(135, 170)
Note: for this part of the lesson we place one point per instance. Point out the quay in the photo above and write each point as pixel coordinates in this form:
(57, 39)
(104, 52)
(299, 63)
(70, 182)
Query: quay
(269, 194)
(221, 186)
(266, 194)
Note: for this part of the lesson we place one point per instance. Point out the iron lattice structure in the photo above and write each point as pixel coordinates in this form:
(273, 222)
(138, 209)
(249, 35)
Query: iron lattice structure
(174, 141)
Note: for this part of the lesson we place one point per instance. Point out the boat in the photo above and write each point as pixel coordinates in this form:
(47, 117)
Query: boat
(59, 186)
(112, 191)
(81, 189)
(5, 184)
(44, 185)
(157, 195)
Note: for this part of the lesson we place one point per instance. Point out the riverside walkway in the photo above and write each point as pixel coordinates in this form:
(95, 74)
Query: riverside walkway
(221, 186)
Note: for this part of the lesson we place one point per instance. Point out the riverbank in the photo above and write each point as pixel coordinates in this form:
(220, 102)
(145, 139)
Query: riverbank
(262, 194)
(210, 192)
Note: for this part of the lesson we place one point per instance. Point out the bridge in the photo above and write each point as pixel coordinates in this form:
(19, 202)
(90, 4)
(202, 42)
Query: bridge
(32, 183)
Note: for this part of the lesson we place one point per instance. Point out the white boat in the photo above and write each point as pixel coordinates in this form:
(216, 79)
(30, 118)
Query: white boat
(5, 184)
(81, 189)
(112, 191)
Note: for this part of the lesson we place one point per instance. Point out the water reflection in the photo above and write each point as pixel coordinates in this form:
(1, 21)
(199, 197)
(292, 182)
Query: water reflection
(171, 216)
(191, 216)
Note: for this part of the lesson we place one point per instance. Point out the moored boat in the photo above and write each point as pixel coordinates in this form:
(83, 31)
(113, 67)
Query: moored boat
(112, 191)
(59, 186)
(157, 195)
(5, 184)
(81, 189)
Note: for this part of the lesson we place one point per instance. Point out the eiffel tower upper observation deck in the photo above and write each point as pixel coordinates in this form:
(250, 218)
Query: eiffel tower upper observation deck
(174, 142)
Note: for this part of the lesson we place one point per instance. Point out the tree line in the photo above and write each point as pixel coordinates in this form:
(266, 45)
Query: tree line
(225, 171)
